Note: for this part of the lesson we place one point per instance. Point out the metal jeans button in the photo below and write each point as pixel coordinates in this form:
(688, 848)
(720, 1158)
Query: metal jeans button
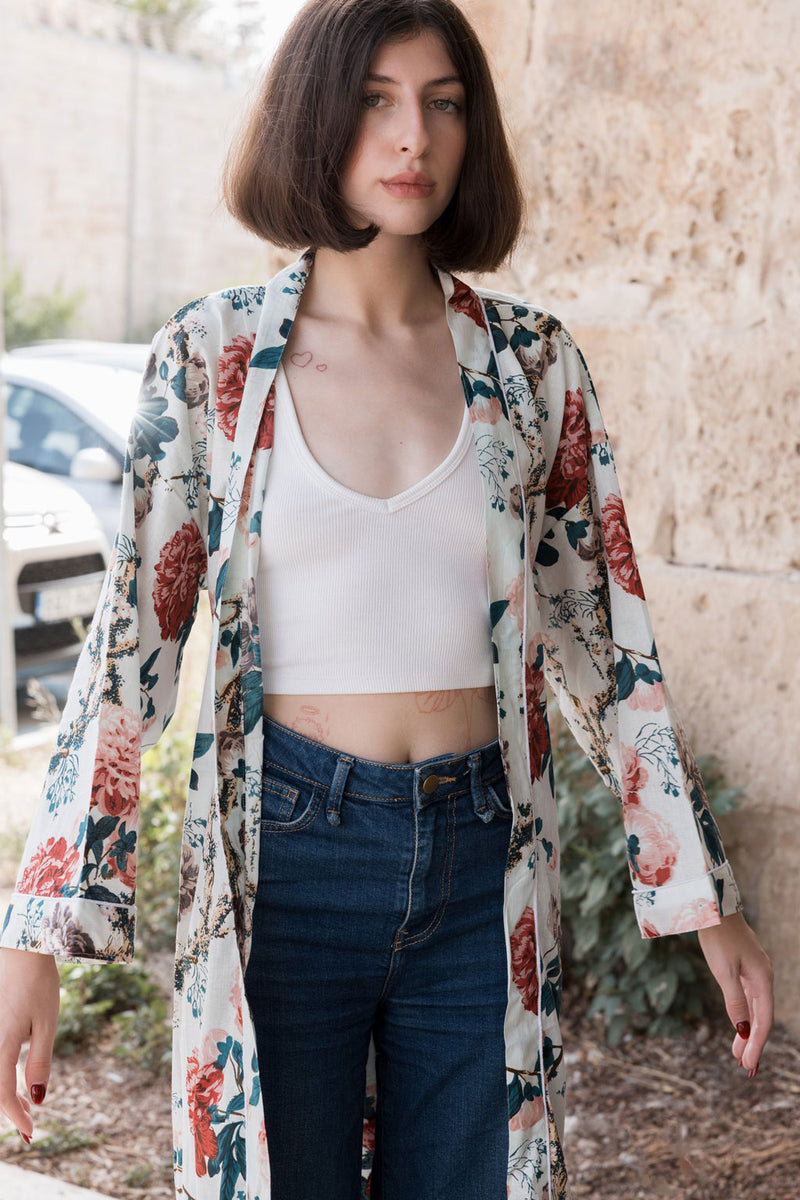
(430, 784)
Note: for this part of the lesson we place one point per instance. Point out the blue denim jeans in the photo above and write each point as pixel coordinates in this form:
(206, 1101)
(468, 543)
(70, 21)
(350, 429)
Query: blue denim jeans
(379, 911)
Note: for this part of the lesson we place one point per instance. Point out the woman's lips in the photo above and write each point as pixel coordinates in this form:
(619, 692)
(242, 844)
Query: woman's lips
(409, 186)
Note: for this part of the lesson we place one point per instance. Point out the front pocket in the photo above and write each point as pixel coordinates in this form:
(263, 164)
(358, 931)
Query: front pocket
(499, 799)
(288, 802)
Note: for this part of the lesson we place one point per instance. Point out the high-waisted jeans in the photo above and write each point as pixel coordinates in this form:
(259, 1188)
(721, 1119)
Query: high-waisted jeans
(380, 911)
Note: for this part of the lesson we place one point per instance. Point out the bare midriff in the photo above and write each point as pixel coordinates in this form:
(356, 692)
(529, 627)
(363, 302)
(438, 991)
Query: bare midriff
(396, 727)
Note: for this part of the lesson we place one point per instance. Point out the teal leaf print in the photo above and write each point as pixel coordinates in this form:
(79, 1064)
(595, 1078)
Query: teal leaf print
(515, 1096)
(268, 358)
(496, 610)
(202, 744)
(152, 430)
(626, 678)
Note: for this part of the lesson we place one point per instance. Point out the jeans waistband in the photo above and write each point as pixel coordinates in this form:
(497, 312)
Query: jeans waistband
(423, 782)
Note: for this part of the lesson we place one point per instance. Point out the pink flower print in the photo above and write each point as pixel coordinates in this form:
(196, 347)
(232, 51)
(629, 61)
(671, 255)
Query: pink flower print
(524, 960)
(652, 845)
(619, 548)
(115, 783)
(648, 930)
(648, 697)
(695, 914)
(231, 376)
(515, 595)
(568, 481)
(485, 409)
(634, 774)
(529, 1114)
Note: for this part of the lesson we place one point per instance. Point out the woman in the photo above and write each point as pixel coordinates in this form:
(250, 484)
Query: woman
(369, 884)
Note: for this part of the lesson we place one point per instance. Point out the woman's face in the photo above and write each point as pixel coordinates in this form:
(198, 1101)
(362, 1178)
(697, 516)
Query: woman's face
(407, 159)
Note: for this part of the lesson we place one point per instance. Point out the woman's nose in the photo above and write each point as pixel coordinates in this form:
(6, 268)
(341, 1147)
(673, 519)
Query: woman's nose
(412, 131)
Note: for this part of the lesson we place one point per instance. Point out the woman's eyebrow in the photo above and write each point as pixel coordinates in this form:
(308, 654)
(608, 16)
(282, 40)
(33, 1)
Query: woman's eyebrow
(431, 82)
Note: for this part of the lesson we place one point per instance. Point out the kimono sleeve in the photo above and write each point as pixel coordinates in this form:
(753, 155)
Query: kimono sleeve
(75, 891)
(602, 664)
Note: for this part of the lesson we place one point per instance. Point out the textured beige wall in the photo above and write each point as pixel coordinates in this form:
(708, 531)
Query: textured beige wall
(660, 143)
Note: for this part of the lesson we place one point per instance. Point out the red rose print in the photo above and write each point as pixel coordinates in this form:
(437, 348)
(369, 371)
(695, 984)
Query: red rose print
(368, 1136)
(178, 573)
(231, 375)
(652, 845)
(619, 550)
(649, 931)
(51, 868)
(115, 783)
(464, 300)
(204, 1088)
(266, 430)
(634, 774)
(568, 482)
(538, 739)
(524, 966)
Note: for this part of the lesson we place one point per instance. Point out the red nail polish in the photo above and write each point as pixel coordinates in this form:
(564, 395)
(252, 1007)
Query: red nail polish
(743, 1029)
(25, 1138)
(38, 1091)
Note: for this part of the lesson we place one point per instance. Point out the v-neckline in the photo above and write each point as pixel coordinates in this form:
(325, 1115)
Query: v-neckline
(362, 499)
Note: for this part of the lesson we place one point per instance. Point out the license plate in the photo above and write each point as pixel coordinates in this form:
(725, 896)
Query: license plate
(61, 603)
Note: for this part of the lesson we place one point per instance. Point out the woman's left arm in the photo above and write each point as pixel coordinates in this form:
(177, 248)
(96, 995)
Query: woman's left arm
(743, 971)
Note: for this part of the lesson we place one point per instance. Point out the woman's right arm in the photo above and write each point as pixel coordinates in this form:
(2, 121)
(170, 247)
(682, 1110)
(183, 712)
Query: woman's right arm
(75, 891)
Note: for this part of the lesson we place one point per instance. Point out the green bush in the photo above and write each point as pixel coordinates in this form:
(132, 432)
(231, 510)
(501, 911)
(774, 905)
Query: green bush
(34, 318)
(165, 778)
(656, 985)
(94, 993)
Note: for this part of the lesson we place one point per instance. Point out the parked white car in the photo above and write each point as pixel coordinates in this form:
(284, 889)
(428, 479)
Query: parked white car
(71, 418)
(56, 557)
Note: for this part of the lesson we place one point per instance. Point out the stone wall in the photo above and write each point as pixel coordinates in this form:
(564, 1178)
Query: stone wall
(112, 147)
(660, 146)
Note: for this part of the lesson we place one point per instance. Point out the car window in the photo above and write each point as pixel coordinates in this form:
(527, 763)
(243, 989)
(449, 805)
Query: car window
(42, 432)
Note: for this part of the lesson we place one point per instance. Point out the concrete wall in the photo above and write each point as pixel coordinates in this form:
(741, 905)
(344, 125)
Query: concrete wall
(661, 151)
(110, 161)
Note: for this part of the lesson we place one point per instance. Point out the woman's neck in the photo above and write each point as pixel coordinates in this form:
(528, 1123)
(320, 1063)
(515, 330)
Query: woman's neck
(387, 284)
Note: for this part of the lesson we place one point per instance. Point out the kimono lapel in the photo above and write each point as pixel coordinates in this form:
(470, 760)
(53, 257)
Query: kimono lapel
(281, 300)
(495, 447)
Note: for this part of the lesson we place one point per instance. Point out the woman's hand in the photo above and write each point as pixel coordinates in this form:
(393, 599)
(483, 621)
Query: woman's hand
(29, 988)
(743, 971)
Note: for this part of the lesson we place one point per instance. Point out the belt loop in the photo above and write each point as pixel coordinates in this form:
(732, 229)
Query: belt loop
(332, 812)
(479, 802)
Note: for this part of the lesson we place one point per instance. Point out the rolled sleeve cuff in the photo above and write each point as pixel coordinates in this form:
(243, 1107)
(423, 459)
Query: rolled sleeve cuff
(71, 928)
(691, 904)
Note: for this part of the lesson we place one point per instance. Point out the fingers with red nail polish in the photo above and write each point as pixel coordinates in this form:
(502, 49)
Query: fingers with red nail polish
(743, 1029)
(38, 1092)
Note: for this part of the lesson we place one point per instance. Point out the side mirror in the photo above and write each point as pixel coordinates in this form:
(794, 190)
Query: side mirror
(95, 464)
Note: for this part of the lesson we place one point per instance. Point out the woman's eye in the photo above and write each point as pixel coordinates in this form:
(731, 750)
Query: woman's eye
(445, 104)
(371, 100)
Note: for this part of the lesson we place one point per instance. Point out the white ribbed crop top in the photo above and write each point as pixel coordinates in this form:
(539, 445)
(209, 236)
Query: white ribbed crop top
(359, 593)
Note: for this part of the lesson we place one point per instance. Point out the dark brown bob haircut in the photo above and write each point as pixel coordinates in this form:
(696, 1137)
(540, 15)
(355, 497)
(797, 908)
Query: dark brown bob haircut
(282, 176)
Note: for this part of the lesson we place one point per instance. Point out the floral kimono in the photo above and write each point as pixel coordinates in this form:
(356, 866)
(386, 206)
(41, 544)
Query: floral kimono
(566, 607)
